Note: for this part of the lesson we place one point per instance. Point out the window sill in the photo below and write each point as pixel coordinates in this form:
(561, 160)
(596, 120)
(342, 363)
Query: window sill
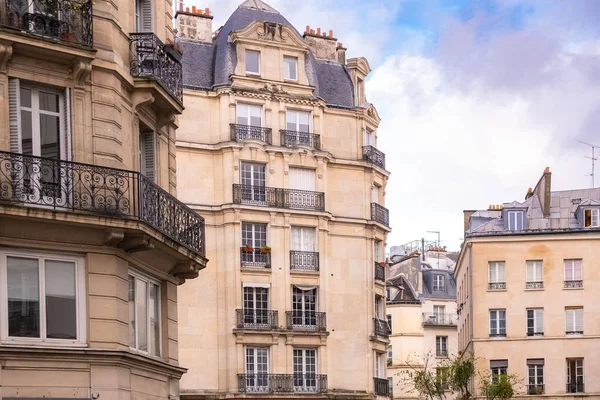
(253, 74)
(573, 288)
(534, 289)
(45, 345)
(497, 290)
(304, 272)
(290, 80)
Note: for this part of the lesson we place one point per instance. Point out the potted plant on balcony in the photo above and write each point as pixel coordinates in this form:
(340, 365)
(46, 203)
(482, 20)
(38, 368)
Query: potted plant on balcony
(247, 249)
(381, 263)
(265, 249)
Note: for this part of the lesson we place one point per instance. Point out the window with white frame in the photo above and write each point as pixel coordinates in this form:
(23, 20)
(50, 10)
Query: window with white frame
(575, 375)
(253, 181)
(257, 369)
(535, 273)
(143, 16)
(369, 138)
(498, 322)
(535, 321)
(297, 121)
(497, 368)
(379, 306)
(573, 273)
(290, 68)
(379, 368)
(304, 306)
(144, 314)
(302, 179)
(535, 369)
(515, 220)
(496, 275)
(256, 304)
(305, 368)
(252, 62)
(438, 282)
(441, 346)
(42, 299)
(441, 376)
(390, 355)
(439, 313)
(574, 320)
(303, 239)
(254, 236)
(591, 218)
(248, 115)
(377, 253)
(389, 322)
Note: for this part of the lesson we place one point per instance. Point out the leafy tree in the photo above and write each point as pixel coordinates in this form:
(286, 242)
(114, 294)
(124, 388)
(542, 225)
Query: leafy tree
(462, 371)
(498, 387)
(421, 378)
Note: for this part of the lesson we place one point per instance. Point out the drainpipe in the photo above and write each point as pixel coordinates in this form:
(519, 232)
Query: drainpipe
(470, 275)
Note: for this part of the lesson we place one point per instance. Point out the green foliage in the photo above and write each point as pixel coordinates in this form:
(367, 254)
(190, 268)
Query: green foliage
(462, 371)
(498, 387)
(424, 380)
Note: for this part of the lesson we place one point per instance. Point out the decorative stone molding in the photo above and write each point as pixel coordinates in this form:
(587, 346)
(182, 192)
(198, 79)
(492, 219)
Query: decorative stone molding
(81, 71)
(272, 31)
(6, 52)
(135, 243)
(186, 270)
(113, 237)
(141, 98)
(163, 119)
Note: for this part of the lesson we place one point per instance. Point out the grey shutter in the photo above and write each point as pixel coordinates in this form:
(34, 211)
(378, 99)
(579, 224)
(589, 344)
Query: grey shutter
(146, 15)
(535, 361)
(14, 114)
(67, 123)
(147, 139)
(499, 364)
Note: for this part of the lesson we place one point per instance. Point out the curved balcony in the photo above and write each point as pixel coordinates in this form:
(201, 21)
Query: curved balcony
(374, 156)
(294, 138)
(239, 133)
(265, 196)
(380, 214)
(282, 383)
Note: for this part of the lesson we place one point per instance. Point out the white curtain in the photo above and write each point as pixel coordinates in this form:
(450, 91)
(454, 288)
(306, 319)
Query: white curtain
(302, 179)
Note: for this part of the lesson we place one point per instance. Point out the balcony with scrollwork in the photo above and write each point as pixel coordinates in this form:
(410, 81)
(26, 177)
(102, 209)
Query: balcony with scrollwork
(534, 285)
(294, 139)
(292, 199)
(374, 156)
(66, 22)
(573, 284)
(282, 383)
(90, 190)
(304, 260)
(157, 67)
(239, 133)
(306, 321)
(257, 319)
(380, 214)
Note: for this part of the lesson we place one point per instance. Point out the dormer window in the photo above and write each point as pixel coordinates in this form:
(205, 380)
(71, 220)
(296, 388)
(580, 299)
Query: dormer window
(290, 68)
(438, 283)
(252, 62)
(591, 218)
(515, 220)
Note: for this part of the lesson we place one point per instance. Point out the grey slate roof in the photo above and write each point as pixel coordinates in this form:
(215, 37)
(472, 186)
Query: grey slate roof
(449, 291)
(205, 68)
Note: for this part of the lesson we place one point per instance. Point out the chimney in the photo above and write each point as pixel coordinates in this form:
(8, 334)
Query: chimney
(467, 218)
(321, 44)
(341, 53)
(194, 25)
(529, 193)
(544, 191)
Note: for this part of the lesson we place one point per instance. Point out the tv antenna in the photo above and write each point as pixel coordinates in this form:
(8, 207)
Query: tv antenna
(593, 158)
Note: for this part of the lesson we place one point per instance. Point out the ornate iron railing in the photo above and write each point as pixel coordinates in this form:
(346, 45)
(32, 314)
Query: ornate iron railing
(293, 138)
(265, 196)
(498, 334)
(304, 260)
(382, 387)
(151, 58)
(374, 156)
(282, 383)
(258, 319)
(440, 319)
(85, 188)
(381, 327)
(306, 321)
(497, 286)
(67, 21)
(380, 214)
(531, 333)
(574, 333)
(533, 389)
(253, 257)
(379, 272)
(573, 284)
(239, 133)
(575, 387)
(534, 285)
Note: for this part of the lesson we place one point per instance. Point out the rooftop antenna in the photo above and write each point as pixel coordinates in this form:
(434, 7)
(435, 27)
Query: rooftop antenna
(593, 158)
(438, 235)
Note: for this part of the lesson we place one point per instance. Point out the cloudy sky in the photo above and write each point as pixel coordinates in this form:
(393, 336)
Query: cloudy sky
(477, 97)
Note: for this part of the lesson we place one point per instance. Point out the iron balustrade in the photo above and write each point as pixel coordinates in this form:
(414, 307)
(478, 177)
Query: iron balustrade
(282, 383)
(575, 387)
(497, 286)
(534, 285)
(306, 321)
(529, 333)
(379, 272)
(294, 138)
(574, 333)
(381, 327)
(374, 156)
(257, 319)
(239, 133)
(533, 389)
(265, 196)
(66, 21)
(253, 257)
(151, 58)
(573, 284)
(85, 188)
(380, 214)
(304, 260)
(440, 319)
(497, 334)
(382, 387)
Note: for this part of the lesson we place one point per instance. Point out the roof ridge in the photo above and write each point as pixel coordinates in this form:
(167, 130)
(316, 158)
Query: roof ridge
(259, 5)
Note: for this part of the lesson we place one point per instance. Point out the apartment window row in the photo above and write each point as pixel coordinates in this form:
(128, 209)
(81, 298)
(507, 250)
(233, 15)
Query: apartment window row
(534, 274)
(515, 219)
(253, 65)
(535, 321)
(254, 175)
(303, 242)
(535, 374)
(256, 304)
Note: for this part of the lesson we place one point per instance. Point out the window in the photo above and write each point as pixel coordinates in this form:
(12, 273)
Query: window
(147, 153)
(304, 306)
(390, 355)
(535, 369)
(257, 369)
(375, 194)
(144, 314)
(534, 275)
(591, 218)
(379, 370)
(535, 322)
(438, 282)
(389, 322)
(379, 307)
(574, 320)
(305, 370)
(388, 294)
(303, 239)
(255, 237)
(439, 313)
(496, 275)
(377, 256)
(360, 91)
(515, 220)
(573, 273)
(252, 62)
(497, 368)
(143, 16)
(369, 138)
(297, 121)
(391, 387)
(441, 346)
(249, 115)
(575, 375)
(42, 299)
(253, 181)
(441, 376)
(497, 322)
(256, 305)
(290, 66)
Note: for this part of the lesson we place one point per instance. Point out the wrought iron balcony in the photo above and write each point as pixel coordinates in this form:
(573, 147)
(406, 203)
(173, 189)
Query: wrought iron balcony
(573, 284)
(239, 133)
(531, 333)
(304, 260)
(151, 58)
(65, 21)
(433, 319)
(257, 319)
(575, 387)
(382, 387)
(534, 285)
(573, 333)
(380, 214)
(282, 383)
(84, 188)
(311, 321)
(254, 258)
(497, 334)
(535, 389)
(279, 198)
(379, 272)
(293, 138)
(497, 286)
(381, 327)
(374, 156)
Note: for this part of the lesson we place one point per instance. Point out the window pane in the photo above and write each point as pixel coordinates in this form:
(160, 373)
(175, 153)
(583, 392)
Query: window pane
(61, 304)
(154, 321)
(49, 102)
(252, 58)
(26, 133)
(132, 327)
(25, 97)
(49, 136)
(141, 297)
(23, 297)
(289, 66)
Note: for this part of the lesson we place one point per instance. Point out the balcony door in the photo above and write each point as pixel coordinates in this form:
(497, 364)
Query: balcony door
(256, 305)
(369, 138)
(253, 181)
(305, 370)
(438, 313)
(257, 369)
(302, 188)
(248, 115)
(304, 306)
(298, 127)
(254, 236)
(143, 16)
(147, 152)
(303, 239)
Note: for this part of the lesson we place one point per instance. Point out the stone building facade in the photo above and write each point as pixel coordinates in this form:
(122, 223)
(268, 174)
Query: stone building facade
(93, 243)
(277, 127)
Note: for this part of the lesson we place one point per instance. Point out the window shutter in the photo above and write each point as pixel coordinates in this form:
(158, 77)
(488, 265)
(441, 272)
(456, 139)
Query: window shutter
(578, 319)
(147, 166)
(501, 272)
(146, 16)
(577, 275)
(530, 267)
(296, 240)
(570, 319)
(539, 320)
(14, 114)
(67, 122)
(595, 219)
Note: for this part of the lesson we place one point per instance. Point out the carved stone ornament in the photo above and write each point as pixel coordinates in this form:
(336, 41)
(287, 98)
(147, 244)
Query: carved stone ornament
(271, 31)
(272, 88)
